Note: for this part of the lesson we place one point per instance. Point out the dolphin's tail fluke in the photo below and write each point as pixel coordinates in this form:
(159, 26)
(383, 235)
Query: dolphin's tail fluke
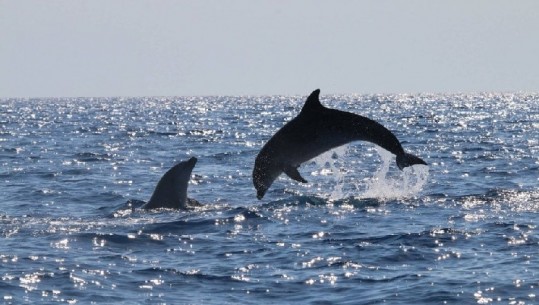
(405, 160)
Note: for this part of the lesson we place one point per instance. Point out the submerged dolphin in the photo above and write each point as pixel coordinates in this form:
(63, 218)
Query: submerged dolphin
(315, 130)
(171, 191)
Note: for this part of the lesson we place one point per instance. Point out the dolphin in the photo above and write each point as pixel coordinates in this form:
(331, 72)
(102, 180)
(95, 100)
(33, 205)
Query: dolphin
(314, 131)
(171, 190)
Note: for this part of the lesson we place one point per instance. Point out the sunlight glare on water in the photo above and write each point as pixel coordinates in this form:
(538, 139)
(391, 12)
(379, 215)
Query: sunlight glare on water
(463, 230)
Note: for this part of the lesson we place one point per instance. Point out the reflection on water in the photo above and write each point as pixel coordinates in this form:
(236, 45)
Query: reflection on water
(461, 231)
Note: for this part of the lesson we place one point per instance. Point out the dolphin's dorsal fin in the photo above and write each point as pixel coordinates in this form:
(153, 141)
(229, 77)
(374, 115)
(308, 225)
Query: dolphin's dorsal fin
(171, 190)
(312, 103)
(293, 173)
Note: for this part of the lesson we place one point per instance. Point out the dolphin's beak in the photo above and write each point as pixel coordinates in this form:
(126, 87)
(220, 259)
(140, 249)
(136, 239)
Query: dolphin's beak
(260, 194)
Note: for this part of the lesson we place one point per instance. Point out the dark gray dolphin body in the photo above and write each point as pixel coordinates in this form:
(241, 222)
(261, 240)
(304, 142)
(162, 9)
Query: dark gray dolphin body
(314, 131)
(171, 191)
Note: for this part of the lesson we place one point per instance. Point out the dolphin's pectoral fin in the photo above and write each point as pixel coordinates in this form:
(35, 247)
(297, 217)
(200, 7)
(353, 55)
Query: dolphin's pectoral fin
(293, 173)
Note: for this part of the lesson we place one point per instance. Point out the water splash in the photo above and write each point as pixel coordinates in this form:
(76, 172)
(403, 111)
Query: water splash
(330, 165)
(384, 186)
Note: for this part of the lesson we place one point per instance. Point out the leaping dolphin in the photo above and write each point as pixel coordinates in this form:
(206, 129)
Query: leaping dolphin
(171, 191)
(314, 131)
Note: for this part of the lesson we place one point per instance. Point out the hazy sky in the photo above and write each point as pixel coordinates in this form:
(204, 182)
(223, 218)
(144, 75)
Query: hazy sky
(165, 48)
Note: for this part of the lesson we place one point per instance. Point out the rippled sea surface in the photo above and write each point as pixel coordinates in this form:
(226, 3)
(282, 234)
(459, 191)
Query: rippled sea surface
(463, 230)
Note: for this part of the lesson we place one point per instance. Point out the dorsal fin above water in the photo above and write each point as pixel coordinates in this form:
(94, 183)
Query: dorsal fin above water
(312, 103)
(171, 190)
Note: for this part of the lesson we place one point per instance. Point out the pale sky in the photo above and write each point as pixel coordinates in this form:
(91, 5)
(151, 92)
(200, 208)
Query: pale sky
(72, 48)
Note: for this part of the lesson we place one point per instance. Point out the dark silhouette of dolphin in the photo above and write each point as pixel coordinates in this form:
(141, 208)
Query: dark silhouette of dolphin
(314, 131)
(171, 191)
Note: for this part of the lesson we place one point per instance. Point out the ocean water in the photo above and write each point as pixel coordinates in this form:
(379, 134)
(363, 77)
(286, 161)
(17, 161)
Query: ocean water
(463, 230)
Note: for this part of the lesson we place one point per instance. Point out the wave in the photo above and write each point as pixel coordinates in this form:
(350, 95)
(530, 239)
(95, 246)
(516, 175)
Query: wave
(497, 199)
(156, 271)
(191, 226)
(101, 239)
(92, 157)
